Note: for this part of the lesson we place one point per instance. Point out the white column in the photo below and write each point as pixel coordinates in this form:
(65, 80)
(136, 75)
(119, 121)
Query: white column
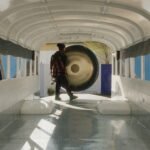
(120, 61)
(8, 67)
(132, 67)
(34, 63)
(22, 67)
(38, 62)
(113, 63)
(25, 67)
(30, 67)
(142, 68)
(127, 67)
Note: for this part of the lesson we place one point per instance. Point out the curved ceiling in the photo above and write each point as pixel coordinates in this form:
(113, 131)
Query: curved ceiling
(117, 23)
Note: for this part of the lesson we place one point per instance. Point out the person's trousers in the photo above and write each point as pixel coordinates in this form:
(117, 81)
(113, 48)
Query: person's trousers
(61, 81)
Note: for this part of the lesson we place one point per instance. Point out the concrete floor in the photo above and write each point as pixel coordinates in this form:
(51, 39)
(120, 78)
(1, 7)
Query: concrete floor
(74, 127)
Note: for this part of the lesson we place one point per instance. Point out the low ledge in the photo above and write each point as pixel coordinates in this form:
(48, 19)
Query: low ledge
(117, 107)
(38, 107)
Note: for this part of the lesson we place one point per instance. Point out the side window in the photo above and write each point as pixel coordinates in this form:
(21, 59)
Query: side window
(12, 67)
(147, 67)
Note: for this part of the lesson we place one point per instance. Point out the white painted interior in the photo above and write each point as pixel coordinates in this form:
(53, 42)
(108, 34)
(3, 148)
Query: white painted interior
(45, 76)
(45, 79)
(117, 23)
(137, 92)
(31, 23)
(14, 91)
(114, 107)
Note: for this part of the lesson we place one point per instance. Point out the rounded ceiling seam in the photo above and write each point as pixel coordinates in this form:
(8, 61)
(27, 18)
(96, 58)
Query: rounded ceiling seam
(20, 32)
(109, 31)
(121, 18)
(105, 41)
(35, 38)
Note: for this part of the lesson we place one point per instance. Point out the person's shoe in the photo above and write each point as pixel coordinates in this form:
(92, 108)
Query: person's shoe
(73, 97)
(57, 98)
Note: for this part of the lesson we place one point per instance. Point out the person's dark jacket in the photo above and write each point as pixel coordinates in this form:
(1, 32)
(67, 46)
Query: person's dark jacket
(58, 64)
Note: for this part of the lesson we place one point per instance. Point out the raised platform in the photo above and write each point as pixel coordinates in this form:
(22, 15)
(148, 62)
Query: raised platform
(103, 105)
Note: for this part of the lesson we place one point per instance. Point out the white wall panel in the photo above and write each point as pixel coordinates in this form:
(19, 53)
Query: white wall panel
(12, 92)
(138, 93)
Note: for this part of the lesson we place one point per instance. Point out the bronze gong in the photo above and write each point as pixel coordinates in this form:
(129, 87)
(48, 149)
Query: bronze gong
(82, 67)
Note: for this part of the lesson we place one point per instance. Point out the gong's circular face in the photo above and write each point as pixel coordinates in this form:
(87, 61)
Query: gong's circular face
(79, 68)
(82, 67)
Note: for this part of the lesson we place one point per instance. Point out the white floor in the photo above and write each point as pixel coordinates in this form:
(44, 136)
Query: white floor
(74, 126)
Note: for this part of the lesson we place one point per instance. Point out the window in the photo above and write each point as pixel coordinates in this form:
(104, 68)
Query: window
(138, 67)
(147, 67)
(12, 67)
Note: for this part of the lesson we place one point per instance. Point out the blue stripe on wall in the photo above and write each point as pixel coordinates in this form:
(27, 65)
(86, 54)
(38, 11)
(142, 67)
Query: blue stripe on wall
(138, 66)
(147, 67)
(12, 67)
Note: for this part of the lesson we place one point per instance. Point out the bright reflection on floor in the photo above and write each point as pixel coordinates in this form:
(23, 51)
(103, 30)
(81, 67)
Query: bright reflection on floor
(54, 116)
(39, 133)
(118, 125)
(46, 126)
(57, 114)
(44, 131)
(26, 146)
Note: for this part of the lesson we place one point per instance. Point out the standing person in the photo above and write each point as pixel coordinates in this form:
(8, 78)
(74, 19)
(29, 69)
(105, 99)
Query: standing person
(58, 71)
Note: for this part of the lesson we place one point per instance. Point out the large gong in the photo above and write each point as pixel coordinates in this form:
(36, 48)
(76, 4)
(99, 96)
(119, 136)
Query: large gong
(82, 67)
